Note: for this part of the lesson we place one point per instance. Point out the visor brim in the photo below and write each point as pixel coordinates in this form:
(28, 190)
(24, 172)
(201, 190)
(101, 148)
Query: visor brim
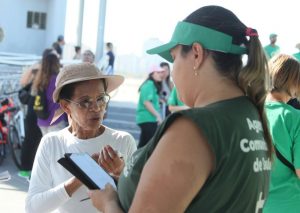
(163, 51)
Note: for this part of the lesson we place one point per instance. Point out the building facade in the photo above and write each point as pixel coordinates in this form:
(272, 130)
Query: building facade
(31, 26)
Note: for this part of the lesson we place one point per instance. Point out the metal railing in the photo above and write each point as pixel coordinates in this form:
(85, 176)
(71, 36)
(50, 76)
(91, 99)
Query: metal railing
(9, 78)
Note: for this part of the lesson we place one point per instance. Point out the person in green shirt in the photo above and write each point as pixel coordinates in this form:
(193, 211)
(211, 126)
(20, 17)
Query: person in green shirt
(272, 49)
(284, 124)
(174, 103)
(297, 55)
(215, 156)
(148, 113)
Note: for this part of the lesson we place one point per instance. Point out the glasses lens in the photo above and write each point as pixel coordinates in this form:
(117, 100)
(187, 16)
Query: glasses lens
(85, 104)
(103, 100)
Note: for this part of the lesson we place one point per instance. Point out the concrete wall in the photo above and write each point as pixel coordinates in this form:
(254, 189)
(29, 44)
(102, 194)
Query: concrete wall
(56, 20)
(20, 39)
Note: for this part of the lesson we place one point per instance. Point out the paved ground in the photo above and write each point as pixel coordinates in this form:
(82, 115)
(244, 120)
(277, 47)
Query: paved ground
(13, 192)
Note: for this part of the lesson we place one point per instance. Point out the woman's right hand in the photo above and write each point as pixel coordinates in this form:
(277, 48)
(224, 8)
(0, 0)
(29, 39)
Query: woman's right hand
(110, 161)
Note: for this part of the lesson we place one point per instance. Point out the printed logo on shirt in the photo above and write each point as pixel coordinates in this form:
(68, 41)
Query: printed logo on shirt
(256, 145)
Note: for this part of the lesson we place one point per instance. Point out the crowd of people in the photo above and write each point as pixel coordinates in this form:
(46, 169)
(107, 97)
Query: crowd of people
(218, 134)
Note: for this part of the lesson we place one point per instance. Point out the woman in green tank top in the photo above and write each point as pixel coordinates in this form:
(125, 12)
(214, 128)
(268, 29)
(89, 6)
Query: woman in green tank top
(215, 156)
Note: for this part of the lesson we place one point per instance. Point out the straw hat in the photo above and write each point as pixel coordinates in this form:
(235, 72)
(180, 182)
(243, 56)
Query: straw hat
(84, 72)
(78, 73)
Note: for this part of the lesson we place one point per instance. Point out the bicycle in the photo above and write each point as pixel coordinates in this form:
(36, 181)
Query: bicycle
(12, 130)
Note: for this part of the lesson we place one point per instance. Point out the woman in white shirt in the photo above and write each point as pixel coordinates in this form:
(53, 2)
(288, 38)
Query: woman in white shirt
(82, 92)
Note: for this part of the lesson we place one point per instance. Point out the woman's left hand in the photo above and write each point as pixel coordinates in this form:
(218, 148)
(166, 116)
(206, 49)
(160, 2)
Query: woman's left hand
(111, 161)
(101, 199)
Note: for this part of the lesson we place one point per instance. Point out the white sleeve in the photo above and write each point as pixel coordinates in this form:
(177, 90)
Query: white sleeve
(42, 196)
(131, 146)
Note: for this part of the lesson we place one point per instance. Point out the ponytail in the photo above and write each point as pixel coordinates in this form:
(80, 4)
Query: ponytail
(254, 80)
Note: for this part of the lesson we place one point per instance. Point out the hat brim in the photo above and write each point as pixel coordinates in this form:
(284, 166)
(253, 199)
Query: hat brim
(59, 112)
(163, 51)
(113, 82)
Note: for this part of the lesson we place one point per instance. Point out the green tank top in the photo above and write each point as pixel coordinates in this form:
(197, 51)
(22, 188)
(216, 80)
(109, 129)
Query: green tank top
(240, 180)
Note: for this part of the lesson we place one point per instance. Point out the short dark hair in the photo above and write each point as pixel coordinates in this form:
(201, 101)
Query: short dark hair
(109, 45)
(163, 64)
(60, 38)
(77, 48)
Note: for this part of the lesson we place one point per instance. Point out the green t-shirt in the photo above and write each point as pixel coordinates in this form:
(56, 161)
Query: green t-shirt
(271, 50)
(297, 56)
(284, 124)
(173, 99)
(240, 180)
(148, 92)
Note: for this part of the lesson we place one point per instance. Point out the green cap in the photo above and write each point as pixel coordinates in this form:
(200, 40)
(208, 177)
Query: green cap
(187, 33)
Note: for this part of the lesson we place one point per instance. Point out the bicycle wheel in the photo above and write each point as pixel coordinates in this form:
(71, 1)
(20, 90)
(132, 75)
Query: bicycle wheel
(15, 145)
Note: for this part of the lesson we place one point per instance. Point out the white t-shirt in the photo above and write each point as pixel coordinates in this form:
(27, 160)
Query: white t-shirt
(46, 189)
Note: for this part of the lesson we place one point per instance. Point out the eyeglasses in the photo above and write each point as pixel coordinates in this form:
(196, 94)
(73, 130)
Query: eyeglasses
(88, 104)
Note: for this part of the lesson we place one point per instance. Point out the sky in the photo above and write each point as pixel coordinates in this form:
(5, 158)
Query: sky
(129, 24)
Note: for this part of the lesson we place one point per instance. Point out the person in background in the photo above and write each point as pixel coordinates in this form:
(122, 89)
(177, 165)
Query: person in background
(88, 56)
(58, 46)
(110, 59)
(297, 55)
(174, 103)
(82, 92)
(272, 49)
(167, 86)
(148, 114)
(295, 101)
(204, 159)
(45, 81)
(77, 55)
(33, 133)
(284, 124)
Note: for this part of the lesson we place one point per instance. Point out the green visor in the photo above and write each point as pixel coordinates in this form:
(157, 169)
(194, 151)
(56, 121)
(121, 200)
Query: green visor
(187, 33)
